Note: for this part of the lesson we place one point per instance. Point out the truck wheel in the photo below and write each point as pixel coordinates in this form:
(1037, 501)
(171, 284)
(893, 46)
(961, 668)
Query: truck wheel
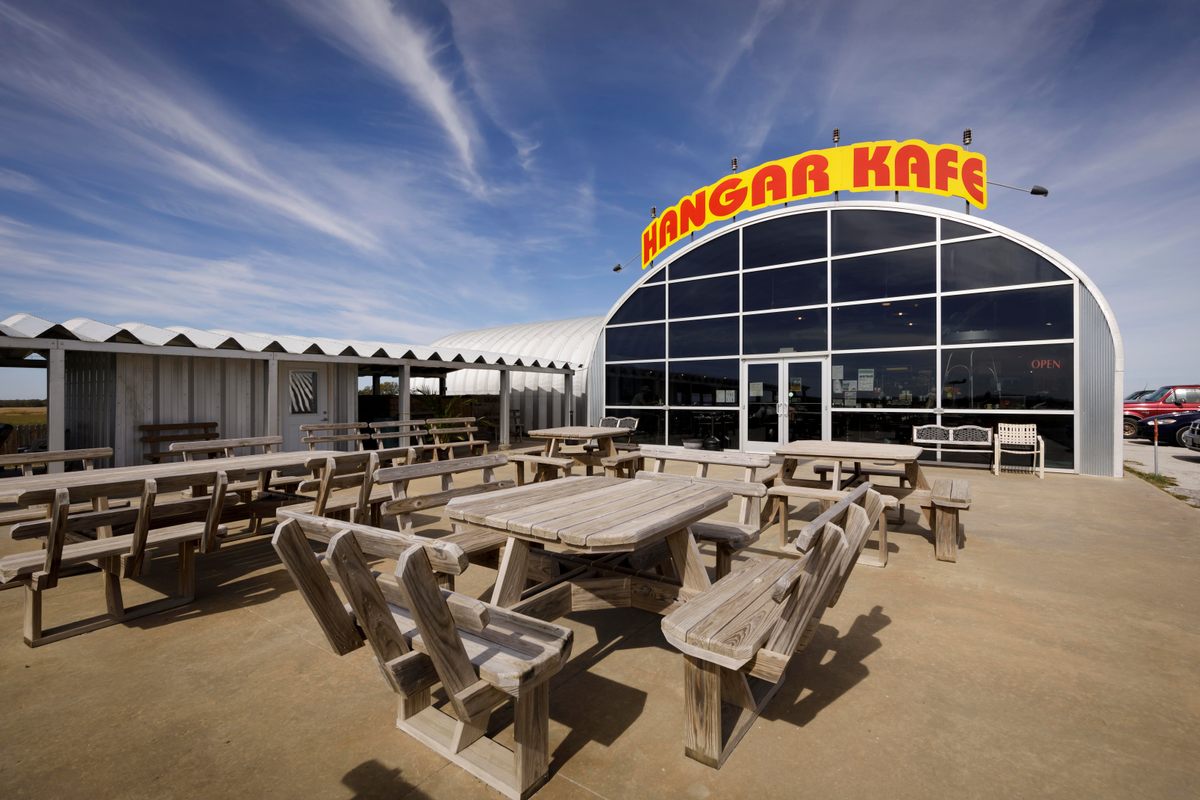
(1129, 427)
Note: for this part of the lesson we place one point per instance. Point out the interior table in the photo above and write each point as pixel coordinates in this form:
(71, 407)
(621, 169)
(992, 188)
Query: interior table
(598, 516)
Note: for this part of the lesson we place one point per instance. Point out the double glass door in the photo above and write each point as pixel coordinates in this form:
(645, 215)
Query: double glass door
(786, 400)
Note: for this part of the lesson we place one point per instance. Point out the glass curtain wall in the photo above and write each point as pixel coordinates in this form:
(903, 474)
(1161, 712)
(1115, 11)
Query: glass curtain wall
(924, 319)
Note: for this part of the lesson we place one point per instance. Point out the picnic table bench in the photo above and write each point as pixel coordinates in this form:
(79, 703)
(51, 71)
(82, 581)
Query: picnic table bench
(738, 637)
(156, 434)
(411, 434)
(342, 484)
(422, 635)
(27, 462)
(454, 433)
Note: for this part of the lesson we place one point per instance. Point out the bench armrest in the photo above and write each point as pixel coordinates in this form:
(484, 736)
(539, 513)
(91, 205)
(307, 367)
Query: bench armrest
(622, 458)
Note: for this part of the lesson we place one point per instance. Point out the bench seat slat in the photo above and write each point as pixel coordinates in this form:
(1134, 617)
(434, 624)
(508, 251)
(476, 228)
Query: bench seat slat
(21, 565)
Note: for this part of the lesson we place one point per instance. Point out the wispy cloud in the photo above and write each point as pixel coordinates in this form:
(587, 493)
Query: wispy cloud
(382, 36)
(764, 12)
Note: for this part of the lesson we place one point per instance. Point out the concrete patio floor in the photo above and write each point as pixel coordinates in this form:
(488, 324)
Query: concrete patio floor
(1060, 657)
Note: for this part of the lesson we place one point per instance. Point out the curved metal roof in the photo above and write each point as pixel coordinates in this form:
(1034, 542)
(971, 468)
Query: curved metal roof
(27, 326)
(571, 340)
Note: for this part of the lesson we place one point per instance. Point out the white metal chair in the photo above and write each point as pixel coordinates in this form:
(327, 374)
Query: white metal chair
(1020, 440)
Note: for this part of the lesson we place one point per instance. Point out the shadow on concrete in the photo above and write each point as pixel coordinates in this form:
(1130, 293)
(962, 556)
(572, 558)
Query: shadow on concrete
(821, 684)
(372, 780)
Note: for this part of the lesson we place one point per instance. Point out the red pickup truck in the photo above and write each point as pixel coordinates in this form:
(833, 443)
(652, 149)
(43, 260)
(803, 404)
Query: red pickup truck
(1163, 400)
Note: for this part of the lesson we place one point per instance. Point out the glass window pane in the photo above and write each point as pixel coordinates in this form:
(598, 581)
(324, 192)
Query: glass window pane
(784, 288)
(762, 402)
(957, 230)
(651, 427)
(302, 386)
(705, 337)
(658, 276)
(710, 430)
(993, 262)
(1058, 431)
(634, 384)
(645, 304)
(904, 323)
(1030, 376)
(849, 426)
(784, 332)
(1015, 316)
(885, 380)
(704, 383)
(635, 342)
(858, 231)
(719, 255)
(797, 237)
(886, 275)
(701, 298)
(804, 392)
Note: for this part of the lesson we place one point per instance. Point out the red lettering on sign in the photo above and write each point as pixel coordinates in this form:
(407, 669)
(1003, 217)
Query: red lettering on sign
(871, 160)
(912, 167)
(691, 212)
(945, 168)
(810, 175)
(972, 177)
(649, 244)
(727, 197)
(770, 178)
(1045, 363)
(668, 228)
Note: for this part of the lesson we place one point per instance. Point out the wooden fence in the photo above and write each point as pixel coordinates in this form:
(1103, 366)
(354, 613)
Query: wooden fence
(25, 436)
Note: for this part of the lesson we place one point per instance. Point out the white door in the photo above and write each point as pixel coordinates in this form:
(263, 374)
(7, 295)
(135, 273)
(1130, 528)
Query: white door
(786, 401)
(305, 401)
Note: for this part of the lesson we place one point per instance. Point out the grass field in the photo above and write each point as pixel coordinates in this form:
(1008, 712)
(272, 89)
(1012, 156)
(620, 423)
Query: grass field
(23, 415)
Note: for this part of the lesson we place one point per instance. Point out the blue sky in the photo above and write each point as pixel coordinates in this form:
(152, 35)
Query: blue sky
(398, 171)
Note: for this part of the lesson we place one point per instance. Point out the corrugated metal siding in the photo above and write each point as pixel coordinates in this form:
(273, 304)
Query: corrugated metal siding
(1097, 392)
(89, 401)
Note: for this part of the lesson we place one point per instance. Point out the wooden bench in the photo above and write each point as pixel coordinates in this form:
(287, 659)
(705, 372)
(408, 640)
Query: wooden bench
(335, 434)
(960, 439)
(156, 435)
(343, 484)
(542, 467)
(407, 433)
(940, 504)
(738, 637)
(826, 499)
(483, 656)
(68, 544)
(225, 448)
(27, 462)
(455, 433)
(863, 471)
(758, 474)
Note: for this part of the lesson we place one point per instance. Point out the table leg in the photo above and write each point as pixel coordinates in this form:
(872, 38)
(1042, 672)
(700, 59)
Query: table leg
(837, 474)
(915, 475)
(686, 555)
(510, 582)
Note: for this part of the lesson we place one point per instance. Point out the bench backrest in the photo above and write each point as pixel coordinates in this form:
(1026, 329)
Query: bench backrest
(941, 434)
(334, 433)
(225, 448)
(27, 461)
(404, 503)
(155, 435)
(453, 430)
(350, 470)
(757, 474)
(804, 590)
(406, 432)
(857, 514)
(63, 522)
(1016, 434)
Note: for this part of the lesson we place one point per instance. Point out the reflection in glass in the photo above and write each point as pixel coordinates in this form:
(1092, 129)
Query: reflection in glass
(784, 332)
(709, 429)
(704, 383)
(957, 230)
(1025, 377)
(651, 428)
(762, 402)
(1058, 431)
(885, 380)
(1013, 316)
(705, 337)
(635, 342)
(895, 274)
(993, 262)
(859, 231)
(805, 387)
(849, 426)
(719, 255)
(784, 288)
(646, 303)
(901, 323)
(800, 237)
(702, 298)
(634, 384)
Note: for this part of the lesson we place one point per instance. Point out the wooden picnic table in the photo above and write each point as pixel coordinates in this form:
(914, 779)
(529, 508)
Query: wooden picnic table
(235, 467)
(592, 515)
(855, 452)
(557, 437)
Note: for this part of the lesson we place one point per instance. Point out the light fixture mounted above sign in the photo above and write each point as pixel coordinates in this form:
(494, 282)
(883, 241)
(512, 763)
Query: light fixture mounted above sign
(909, 166)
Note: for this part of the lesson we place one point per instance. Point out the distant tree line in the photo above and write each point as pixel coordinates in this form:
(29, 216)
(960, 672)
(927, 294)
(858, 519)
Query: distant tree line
(21, 403)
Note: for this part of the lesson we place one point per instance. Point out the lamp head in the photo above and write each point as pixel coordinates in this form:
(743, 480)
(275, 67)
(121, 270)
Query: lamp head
(1039, 191)
(837, 135)
(966, 137)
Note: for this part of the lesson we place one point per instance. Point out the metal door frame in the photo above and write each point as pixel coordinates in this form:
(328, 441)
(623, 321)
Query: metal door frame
(782, 362)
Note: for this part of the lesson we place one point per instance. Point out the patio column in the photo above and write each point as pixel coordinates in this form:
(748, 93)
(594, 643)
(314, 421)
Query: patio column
(272, 397)
(56, 405)
(505, 406)
(569, 398)
(403, 389)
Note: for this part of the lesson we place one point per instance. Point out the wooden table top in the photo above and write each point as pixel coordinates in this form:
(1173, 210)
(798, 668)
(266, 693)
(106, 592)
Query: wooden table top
(591, 514)
(578, 432)
(849, 451)
(235, 467)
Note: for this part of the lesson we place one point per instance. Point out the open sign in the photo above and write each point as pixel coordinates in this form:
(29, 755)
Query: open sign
(1045, 363)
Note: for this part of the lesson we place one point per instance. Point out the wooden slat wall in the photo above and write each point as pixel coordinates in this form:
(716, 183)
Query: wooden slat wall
(89, 408)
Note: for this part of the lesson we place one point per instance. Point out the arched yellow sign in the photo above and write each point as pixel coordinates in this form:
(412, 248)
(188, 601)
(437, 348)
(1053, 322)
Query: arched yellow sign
(909, 166)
